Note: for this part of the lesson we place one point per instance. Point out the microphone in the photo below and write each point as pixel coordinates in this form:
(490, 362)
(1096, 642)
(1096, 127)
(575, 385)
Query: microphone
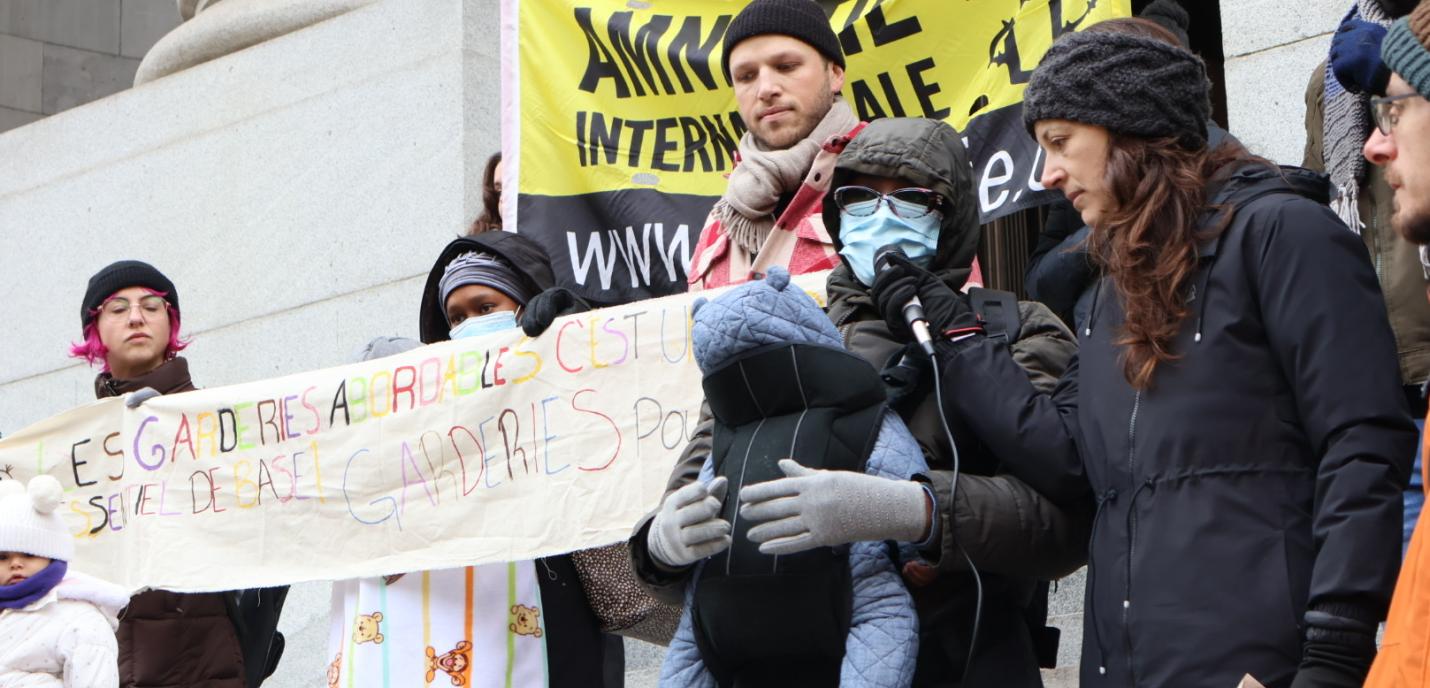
(913, 310)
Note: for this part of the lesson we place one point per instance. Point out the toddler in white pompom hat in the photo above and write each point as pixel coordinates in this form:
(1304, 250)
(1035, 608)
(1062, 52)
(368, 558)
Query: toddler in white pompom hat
(56, 625)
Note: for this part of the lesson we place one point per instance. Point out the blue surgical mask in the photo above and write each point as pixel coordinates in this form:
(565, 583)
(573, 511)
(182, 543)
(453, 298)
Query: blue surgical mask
(484, 324)
(862, 237)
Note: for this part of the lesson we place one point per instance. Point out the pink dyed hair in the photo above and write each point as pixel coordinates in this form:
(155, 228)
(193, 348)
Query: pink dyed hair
(93, 350)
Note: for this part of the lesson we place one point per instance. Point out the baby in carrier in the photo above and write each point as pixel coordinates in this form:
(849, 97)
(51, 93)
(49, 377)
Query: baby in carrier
(781, 386)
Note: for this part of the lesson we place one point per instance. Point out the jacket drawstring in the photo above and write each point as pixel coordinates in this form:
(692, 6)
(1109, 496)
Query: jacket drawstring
(1132, 537)
(1092, 310)
(1131, 548)
(1109, 495)
(1201, 295)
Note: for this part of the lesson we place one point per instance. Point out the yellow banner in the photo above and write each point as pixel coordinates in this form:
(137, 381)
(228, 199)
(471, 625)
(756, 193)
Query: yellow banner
(619, 98)
(624, 125)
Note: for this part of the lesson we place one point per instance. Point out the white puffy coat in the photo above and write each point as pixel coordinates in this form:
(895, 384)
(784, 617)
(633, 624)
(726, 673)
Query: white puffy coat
(65, 639)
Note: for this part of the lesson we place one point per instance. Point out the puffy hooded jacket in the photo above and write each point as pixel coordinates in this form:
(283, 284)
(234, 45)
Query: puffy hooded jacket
(64, 639)
(1255, 482)
(1014, 535)
(575, 647)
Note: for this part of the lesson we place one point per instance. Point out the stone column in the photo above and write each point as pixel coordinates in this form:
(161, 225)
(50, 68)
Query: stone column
(214, 28)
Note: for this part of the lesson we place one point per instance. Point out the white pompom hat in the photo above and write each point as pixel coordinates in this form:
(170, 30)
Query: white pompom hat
(29, 522)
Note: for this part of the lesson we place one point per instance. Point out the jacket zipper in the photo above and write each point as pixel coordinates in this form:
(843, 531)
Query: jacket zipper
(1131, 534)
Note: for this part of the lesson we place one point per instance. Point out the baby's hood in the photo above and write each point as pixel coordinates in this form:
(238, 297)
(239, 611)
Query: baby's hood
(109, 598)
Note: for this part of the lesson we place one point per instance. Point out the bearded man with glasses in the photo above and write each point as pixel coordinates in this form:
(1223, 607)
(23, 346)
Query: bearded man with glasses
(1400, 145)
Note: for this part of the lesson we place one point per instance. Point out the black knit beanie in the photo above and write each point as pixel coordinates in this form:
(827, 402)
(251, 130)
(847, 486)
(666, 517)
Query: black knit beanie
(1128, 84)
(1170, 15)
(122, 275)
(802, 19)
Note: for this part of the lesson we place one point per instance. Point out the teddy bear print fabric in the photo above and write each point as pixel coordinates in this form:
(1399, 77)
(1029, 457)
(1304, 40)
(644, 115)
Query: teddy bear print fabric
(479, 627)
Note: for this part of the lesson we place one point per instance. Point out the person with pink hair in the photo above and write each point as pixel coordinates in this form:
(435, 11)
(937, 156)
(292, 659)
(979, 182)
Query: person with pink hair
(130, 325)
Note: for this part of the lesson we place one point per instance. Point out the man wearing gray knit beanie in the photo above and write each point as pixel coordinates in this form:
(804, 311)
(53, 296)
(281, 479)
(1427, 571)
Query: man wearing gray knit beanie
(1338, 124)
(1401, 141)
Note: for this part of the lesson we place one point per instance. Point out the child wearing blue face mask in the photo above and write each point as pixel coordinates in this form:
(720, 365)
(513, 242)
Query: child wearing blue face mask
(481, 294)
(479, 285)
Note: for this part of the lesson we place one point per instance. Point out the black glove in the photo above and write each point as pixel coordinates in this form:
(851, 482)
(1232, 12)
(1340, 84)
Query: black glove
(544, 308)
(945, 308)
(1338, 652)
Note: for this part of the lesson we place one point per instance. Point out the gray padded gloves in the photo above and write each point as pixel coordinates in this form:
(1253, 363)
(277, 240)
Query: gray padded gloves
(814, 508)
(688, 526)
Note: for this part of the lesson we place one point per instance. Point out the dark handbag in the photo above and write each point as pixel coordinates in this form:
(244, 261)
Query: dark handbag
(620, 603)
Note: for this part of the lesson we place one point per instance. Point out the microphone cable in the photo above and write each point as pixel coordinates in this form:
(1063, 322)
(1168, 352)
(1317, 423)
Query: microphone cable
(953, 507)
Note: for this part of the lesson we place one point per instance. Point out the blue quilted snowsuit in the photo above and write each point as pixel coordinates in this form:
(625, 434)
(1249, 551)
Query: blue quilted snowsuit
(882, 644)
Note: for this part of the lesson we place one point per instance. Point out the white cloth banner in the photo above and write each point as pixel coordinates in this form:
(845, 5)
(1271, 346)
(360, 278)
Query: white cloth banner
(492, 449)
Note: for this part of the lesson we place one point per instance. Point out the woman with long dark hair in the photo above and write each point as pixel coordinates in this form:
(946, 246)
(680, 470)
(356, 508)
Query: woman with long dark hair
(1235, 410)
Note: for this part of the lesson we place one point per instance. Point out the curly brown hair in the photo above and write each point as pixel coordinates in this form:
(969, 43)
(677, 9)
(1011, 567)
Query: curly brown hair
(1148, 243)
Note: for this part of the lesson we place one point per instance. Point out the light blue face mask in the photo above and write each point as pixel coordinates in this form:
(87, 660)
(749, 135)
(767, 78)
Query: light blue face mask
(485, 324)
(864, 236)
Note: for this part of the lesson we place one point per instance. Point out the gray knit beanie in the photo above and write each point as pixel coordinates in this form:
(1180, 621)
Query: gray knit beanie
(1128, 84)
(1403, 49)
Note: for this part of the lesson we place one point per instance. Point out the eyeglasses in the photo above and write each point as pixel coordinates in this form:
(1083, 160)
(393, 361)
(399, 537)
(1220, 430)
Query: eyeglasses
(1386, 114)
(910, 204)
(118, 308)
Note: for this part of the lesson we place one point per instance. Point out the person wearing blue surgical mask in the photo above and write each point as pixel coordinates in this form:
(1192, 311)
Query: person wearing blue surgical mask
(478, 286)
(476, 309)
(906, 182)
(875, 212)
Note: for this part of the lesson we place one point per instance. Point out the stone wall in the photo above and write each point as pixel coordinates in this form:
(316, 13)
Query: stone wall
(296, 192)
(57, 54)
(1271, 47)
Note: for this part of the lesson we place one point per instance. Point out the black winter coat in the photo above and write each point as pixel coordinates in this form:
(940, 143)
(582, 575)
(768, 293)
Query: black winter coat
(1258, 478)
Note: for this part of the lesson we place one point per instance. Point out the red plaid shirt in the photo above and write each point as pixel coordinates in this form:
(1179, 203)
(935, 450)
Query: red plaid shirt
(798, 241)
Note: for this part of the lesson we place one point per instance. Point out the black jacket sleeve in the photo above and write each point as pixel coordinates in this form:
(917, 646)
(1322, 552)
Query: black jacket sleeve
(1006, 527)
(1327, 324)
(1059, 269)
(1035, 435)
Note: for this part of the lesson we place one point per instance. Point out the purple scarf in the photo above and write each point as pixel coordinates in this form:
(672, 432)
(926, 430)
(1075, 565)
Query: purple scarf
(26, 592)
